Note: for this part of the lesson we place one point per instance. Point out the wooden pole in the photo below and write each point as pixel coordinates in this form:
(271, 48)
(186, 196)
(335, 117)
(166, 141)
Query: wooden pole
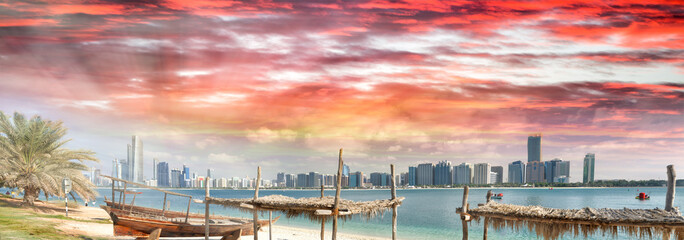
(206, 207)
(124, 195)
(671, 184)
(256, 195)
(322, 221)
(164, 205)
(394, 206)
(188, 212)
(270, 232)
(338, 187)
(464, 206)
(113, 202)
(486, 221)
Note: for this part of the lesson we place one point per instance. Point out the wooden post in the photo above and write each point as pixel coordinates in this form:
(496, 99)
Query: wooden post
(489, 196)
(394, 206)
(188, 212)
(464, 207)
(322, 221)
(113, 202)
(164, 205)
(270, 233)
(486, 222)
(336, 207)
(124, 196)
(671, 184)
(132, 203)
(206, 207)
(256, 195)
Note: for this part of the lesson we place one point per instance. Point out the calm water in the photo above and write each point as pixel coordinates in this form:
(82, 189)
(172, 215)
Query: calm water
(428, 213)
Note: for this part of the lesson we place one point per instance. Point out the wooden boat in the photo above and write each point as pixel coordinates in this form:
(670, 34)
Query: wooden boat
(137, 220)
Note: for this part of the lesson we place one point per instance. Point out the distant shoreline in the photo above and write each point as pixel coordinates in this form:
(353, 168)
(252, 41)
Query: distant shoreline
(383, 189)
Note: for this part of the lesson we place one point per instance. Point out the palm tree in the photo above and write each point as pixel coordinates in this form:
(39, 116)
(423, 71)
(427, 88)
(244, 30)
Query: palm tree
(32, 158)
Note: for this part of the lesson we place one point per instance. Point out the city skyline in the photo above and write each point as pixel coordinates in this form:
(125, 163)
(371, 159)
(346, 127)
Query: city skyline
(285, 84)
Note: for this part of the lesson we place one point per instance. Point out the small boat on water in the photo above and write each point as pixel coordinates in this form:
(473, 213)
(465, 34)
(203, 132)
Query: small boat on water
(642, 196)
(497, 196)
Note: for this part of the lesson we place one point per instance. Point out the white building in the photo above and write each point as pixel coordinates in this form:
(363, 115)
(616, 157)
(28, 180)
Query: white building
(482, 173)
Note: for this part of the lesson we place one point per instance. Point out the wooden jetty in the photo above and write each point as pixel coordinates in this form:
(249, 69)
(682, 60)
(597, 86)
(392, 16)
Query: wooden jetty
(553, 223)
(316, 208)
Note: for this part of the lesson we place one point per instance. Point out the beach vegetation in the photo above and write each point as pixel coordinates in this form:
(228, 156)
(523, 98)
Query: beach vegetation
(33, 158)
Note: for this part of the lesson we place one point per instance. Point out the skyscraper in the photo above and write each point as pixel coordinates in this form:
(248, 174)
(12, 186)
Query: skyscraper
(534, 150)
(535, 168)
(176, 178)
(443, 173)
(589, 161)
(302, 180)
(280, 177)
(137, 159)
(481, 173)
(356, 179)
(425, 174)
(290, 180)
(130, 163)
(516, 172)
(499, 174)
(163, 174)
(534, 172)
(551, 169)
(464, 173)
(155, 161)
(314, 180)
(412, 176)
(185, 177)
(125, 169)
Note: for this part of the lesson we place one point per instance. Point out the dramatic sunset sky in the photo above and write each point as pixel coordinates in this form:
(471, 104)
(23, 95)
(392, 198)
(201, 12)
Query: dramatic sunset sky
(285, 84)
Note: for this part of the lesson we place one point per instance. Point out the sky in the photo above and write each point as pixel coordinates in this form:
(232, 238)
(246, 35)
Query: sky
(284, 85)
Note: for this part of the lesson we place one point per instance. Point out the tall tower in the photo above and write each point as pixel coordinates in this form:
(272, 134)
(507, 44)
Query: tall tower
(589, 161)
(131, 164)
(155, 161)
(137, 159)
(534, 150)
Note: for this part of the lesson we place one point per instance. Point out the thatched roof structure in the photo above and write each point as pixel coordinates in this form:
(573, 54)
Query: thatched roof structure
(293, 207)
(553, 223)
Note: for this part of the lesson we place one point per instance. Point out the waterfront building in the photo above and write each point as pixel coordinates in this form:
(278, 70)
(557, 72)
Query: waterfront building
(154, 168)
(443, 173)
(345, 175)
(499, 174)
(481, 173)
(356, 179)
(314, 180)
(176, 178)
(516, 172)
(557, 170)
(534, 172)
(162, 174)
(290, 180)
(589, 161)
(280, 177)
(464, 173)
(186, 179)
(302, 180)
(534, 150)
(492, 177)
(425, 174)
(412, 176)
(135, 160)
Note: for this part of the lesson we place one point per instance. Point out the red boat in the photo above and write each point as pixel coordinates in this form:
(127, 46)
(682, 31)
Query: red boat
(643, 196)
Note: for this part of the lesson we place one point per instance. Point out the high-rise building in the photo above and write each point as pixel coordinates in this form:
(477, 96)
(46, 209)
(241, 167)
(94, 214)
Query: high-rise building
(290, 180)
(155, 161)
(186, 180)
(280, 177)
(135, 162)
(443, 173)
(125, 169)
(516, 172)
(464, 173)
(130, 163)
(302, 180)
(176, 178)
(345, 175)
(425, 174)
(345, 170)
(314, 180)
(412, 176)
(534, 150)
(551, 169)
(481, 173)
(356, 180)
(499, 174)
(589, 161)
(378, 179)
(534, 172)
(162, 174)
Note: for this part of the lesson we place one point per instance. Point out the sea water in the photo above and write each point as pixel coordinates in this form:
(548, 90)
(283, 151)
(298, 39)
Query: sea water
(425, 213)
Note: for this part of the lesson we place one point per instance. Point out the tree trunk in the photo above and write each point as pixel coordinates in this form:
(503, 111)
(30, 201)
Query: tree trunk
(30, 195)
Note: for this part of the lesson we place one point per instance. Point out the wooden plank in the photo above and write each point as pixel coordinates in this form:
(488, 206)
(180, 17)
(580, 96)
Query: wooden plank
(246, 205)
(145, 186)
(671, 184)
(327, 212)
(164, 205)
(188, 212)
(337, 196)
